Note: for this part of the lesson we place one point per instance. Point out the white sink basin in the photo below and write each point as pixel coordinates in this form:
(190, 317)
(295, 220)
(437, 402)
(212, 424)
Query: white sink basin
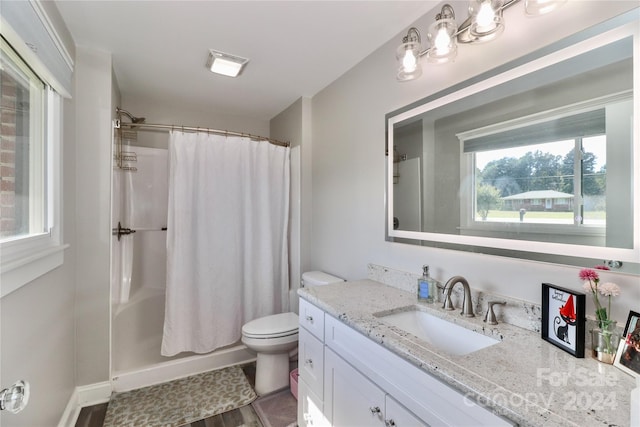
(443, 335)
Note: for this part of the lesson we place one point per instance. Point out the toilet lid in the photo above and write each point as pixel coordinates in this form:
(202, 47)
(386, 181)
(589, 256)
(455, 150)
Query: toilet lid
(276, 325)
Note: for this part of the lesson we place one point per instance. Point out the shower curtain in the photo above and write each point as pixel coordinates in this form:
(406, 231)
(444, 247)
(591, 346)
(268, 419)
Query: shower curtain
(227, 246)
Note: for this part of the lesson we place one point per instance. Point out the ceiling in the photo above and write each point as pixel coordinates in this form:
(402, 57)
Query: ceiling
(296, 48)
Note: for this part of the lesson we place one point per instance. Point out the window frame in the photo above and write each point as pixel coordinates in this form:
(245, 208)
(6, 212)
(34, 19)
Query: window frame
(468, 222)
(25, 258)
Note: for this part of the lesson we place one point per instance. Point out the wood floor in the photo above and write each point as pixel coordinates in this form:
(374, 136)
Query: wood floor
(93, 416)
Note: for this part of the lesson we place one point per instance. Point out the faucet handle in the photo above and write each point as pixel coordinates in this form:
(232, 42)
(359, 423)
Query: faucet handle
(447, 304)
(490, 317)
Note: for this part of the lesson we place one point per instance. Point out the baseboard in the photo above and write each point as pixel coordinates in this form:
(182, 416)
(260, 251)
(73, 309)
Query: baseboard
(82, 396)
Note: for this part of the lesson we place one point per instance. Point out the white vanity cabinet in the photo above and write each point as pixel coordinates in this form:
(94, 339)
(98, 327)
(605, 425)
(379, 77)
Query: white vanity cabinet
(364, 384)
(311, 366)
(353, 400)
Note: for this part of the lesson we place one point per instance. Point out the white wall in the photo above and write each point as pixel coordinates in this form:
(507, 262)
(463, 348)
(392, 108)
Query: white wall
(349, 162)
(38, 344)
(185, 115)
(293, 125)
(94, 98)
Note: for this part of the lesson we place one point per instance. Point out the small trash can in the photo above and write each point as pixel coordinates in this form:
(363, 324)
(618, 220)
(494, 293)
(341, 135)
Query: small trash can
(293, 381)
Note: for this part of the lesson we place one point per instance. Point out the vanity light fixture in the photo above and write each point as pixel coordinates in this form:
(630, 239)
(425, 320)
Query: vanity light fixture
(225, 64)
(485, 23)
(442, 36)
(408, 54)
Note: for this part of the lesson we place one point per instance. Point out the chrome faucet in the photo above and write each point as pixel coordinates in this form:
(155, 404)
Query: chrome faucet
(467, 306)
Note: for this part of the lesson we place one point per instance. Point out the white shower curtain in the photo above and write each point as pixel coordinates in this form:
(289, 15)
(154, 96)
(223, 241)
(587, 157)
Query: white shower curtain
(227, 250)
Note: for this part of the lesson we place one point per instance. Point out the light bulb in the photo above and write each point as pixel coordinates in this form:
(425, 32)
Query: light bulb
(409, 61)
(486, 16)
(442, 41)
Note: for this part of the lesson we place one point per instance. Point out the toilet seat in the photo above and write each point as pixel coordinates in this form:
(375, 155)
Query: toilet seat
(274, 326)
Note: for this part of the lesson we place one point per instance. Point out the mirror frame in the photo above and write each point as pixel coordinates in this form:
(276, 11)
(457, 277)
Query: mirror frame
(623, 26)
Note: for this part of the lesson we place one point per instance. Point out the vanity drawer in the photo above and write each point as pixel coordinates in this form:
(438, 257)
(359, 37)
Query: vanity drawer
(311, 360)
(312, 319)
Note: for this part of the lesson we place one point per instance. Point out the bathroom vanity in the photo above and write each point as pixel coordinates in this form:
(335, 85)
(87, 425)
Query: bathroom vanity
(360, 367)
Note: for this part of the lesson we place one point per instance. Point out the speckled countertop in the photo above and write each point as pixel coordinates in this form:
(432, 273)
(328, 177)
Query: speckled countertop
(522, 378)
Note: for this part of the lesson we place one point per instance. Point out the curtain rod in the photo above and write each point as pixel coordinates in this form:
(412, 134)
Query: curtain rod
(201, 129)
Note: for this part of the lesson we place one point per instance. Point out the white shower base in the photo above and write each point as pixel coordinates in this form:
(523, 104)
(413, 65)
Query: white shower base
(137, 338)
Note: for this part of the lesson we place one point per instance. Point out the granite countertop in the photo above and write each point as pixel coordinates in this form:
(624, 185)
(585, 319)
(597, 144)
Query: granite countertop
(523, 378)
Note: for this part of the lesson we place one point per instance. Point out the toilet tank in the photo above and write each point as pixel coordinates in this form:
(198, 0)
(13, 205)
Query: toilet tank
(318, 278)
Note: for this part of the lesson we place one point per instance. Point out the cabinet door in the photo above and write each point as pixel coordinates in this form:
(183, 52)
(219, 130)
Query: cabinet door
(310, 360)
(397, 415)
(350, 399)
(310, 407)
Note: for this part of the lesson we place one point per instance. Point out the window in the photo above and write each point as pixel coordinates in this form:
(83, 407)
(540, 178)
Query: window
(23, 199)
(550, 172)
(30, 116)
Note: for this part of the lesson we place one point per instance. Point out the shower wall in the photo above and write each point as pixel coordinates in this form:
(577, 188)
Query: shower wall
(139, 267)
(139, 281)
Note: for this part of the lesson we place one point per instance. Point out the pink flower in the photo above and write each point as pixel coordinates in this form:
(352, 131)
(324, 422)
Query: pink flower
(589, 274)
(609, 289)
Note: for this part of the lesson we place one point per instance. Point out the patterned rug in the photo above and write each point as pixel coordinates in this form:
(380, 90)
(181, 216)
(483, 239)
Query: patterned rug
(180, 402)
(279, 409)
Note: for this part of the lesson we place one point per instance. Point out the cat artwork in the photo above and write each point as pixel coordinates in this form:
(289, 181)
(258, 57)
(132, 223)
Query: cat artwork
(563, 319)
(568, 314)
(562, 332)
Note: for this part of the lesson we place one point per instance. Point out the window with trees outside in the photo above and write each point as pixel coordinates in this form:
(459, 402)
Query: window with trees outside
(552, 172)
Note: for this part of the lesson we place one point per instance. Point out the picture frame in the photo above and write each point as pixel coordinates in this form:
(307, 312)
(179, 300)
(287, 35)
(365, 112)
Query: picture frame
(628, 354)
(563, 318)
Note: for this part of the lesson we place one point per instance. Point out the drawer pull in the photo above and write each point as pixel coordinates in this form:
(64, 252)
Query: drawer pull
(375, 410)
(390, 423)
(310, 319)
(309, 362)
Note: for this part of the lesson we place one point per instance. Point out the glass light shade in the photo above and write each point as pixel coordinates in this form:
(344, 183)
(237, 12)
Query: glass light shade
(486, 22)
(541, 7)
(408, 55)
(443, 41)
(15, 398)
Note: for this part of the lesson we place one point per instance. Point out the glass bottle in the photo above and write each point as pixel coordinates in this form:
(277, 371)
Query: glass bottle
(427, 287)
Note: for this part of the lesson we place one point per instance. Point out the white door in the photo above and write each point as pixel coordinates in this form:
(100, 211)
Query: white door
(351, 400)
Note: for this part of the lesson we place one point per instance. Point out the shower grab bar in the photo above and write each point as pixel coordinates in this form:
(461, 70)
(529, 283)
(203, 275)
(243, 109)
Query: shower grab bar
(122, 231)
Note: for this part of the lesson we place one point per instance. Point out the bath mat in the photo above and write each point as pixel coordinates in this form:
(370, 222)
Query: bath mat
(180, 402)
(279, 409)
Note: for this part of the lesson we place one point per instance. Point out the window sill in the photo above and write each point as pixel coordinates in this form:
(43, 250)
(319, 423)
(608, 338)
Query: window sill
(18, 272)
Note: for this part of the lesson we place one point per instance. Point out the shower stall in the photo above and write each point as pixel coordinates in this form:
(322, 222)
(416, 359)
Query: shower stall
(138, 272)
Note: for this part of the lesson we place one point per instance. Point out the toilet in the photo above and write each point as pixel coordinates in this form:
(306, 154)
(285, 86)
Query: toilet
(274, 337)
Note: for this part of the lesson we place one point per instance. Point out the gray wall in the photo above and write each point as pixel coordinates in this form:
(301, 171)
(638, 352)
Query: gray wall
(349, 163)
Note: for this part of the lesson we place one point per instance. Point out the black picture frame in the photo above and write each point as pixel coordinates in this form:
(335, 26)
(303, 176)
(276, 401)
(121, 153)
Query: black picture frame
(563, 318)
(628, 356)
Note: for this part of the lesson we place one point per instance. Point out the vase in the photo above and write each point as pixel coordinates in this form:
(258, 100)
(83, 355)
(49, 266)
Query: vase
(605, 341)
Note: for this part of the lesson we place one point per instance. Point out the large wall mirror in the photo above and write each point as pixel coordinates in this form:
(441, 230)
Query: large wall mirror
(538, 159)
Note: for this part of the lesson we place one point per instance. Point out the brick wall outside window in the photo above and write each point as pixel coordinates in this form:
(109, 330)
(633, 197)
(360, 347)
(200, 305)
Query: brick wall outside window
(12, 203)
